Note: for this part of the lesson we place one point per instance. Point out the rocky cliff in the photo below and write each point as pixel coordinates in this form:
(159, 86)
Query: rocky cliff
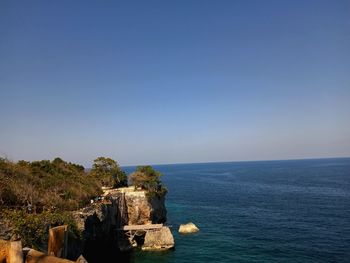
(139, 208)
(102, 222)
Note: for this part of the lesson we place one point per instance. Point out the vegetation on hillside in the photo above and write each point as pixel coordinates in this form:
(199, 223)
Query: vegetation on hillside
(145, 177)
(46, 185)
(39, 194)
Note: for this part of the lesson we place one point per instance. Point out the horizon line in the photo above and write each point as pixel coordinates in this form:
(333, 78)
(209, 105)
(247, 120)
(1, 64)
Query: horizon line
(208, 162)
(241, 161)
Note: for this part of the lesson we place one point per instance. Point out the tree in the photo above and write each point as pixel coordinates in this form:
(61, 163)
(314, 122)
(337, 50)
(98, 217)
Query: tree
(108, 172)
(148, 179)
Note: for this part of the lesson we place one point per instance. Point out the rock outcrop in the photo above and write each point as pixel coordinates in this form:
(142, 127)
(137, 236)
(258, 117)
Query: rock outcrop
(102, 222)
(141, 209)
(188, 228)
(161, 239)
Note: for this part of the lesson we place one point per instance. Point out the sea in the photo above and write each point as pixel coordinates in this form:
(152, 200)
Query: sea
(263, 211)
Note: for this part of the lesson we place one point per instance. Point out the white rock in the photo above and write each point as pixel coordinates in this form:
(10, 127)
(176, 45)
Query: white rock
(188, 228)
(160, 239)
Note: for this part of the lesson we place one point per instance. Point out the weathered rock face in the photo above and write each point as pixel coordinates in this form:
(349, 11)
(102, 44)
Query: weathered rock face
(139, 209)
(158, 212)
(101, 223)
(142, 210)
(158, 239)
(11, 251)
(3, 250)
(188, 228)
(97, 220)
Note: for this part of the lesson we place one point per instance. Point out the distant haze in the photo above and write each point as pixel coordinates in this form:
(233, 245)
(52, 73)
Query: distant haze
(174, 81)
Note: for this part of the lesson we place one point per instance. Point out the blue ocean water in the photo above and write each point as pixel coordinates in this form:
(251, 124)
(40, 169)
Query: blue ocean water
(268, 211)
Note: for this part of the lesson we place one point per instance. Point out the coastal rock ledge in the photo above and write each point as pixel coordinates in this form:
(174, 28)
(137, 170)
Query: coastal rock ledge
(188, 228)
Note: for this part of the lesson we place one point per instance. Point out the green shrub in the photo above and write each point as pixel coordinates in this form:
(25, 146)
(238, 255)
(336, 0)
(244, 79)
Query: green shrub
(34, 228)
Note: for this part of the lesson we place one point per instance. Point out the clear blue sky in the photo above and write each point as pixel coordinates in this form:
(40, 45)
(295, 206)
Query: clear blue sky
(174, 81)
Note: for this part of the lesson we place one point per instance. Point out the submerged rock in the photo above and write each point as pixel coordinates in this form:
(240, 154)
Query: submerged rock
(188, 228)
(160, 239)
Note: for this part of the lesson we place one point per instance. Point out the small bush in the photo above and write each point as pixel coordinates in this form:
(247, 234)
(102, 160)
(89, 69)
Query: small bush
(34, 228)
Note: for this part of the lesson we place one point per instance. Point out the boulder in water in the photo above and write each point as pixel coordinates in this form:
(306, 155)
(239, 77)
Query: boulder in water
(160, 239)
(188, 228)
